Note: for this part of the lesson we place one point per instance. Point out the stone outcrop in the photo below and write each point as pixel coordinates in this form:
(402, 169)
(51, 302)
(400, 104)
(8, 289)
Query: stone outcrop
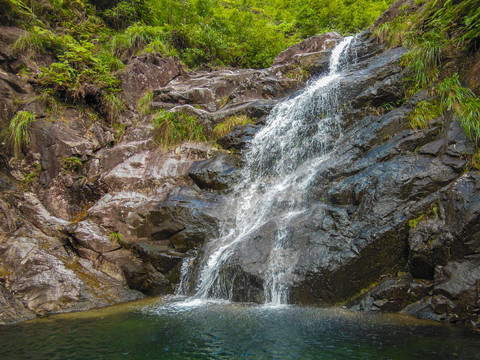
(147, 72)
(392, 211)
(108, 215)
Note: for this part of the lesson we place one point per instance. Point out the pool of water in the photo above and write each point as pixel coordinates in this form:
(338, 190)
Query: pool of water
(168, 329)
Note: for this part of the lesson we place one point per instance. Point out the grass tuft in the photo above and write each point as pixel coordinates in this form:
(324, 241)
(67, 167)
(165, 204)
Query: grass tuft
(174, 127)
(144, 104)
(19, 130)
(226, 126)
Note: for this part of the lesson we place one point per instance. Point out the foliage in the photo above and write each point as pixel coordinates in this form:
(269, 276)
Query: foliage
(19, 130)
(116, 237)
(78, 73)
(38, 41)
(125, 13)
(72, 164)
(173, 127)
(452, 99)
(448, 29)
(463, 103)
(35, 173)
(144, 103)
(226, 126)
(140, 37)
(424, 113)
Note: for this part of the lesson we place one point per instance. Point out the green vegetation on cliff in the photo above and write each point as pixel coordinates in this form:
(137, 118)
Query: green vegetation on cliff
(441, 36)
(241, 33)
(84, 44)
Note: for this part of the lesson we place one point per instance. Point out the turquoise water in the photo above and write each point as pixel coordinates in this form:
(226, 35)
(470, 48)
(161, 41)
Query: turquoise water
(170, 330)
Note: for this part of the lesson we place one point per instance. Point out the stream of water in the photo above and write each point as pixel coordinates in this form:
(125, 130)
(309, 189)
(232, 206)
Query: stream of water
(298, 133)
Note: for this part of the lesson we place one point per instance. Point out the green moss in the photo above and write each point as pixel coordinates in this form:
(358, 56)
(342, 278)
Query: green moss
(34, 174)
(72, 164)
(432, 213)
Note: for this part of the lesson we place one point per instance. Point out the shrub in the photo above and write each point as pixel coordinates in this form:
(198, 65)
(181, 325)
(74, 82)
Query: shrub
(137, 37)
(173, 127)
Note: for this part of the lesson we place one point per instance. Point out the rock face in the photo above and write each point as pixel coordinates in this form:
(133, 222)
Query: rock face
(392, 210)
(108, 215)
(145, 73)
(215, 95)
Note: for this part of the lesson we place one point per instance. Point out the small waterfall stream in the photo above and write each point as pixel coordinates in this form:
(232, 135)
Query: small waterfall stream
(298, 134)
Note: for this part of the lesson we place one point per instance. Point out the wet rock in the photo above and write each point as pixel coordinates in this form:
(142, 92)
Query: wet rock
(392, 294)
(48, 279)
(164, 231)
(311, 45)
(458, 280)
(146, 279)
(32, 208)
(195, 212)
(11, 309)
(147, 72)
(162, 257)
(90, 236)
(217, 173)
(238, 138)
(213, 96)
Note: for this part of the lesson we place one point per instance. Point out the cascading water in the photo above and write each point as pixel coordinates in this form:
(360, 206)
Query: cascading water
(278, 168)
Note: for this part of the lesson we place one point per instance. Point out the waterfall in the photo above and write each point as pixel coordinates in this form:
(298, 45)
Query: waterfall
(298, 134)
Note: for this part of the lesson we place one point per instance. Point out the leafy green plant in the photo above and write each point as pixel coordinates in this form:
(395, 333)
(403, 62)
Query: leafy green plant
(423, 60)
(173, 127)
(72, 164)
(19, 130)
(38, 41)
(226, 126)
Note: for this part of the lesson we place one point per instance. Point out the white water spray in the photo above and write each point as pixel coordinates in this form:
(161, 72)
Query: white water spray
(279, 162)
